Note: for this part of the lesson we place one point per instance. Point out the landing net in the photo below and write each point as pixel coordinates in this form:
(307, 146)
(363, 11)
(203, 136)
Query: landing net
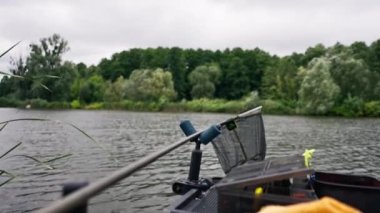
(242, 139)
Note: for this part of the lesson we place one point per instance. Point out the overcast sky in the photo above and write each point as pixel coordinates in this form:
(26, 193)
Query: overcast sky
(97, 29)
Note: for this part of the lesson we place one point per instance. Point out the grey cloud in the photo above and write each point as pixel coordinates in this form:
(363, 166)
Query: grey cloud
(96, 29)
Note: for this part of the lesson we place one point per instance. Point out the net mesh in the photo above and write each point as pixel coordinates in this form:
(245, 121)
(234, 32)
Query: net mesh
(241, 140)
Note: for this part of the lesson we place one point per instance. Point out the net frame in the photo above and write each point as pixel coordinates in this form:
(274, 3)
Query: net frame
(242, 139)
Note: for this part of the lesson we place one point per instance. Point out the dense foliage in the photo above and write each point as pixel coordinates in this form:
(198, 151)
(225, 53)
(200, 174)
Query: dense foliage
(337, 80)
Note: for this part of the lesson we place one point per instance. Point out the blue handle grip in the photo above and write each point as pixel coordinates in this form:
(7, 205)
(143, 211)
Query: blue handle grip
(187, 127)
(209, 134)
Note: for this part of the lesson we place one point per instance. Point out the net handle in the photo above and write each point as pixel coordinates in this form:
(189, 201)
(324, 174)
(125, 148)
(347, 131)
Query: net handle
(248, 113)
(251, 112)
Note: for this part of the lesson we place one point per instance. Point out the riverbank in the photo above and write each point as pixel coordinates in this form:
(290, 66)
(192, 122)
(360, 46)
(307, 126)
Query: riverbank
(368, 109)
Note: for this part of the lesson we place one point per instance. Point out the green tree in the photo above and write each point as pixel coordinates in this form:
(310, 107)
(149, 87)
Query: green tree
(96, 85)
(360, 50)
(235, 80)
(43, 63)
(115, 91)
(46, 55)
(351, 75)
(203, 79)
(150, 85)
(18, 66)
(256, 62)
(280, 81)
(6, 86)
(89, 90)
(61, 87)
(177, 66)
(18, 86)
(337, 49)
(297, 59)
(374, 56)
(121, 64)
(313, 52)
(318, 91)
(152, 58)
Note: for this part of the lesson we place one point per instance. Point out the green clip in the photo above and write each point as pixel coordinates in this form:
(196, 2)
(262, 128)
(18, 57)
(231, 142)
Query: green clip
(308, 155)
(231, 125)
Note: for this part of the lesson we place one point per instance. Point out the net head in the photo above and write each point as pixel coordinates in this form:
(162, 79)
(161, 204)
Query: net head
(242, 139)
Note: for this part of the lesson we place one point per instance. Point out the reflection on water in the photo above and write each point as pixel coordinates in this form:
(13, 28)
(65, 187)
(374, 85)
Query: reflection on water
(343, 145)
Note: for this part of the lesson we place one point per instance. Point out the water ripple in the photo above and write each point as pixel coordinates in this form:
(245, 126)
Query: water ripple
(343, 145)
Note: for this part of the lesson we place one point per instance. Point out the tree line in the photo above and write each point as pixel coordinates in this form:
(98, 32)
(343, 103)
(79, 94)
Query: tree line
(341, 79)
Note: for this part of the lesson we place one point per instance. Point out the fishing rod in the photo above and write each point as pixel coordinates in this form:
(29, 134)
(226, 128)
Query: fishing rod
(82, 195)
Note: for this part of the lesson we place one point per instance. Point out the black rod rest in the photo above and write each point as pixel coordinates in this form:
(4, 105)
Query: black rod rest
(71, 187)
(195, 163)
(193, 181)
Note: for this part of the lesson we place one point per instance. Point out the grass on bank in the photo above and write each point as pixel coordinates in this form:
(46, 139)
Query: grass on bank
(353, 108)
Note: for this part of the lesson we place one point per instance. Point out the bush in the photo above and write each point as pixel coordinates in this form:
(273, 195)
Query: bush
(351, 107)
(215, 105)
(95, 106)
(59, 105)
(9, 102)
(234, 106)
(134, 105)
(252, 100)
(372, 109)
(75, 104)
(38, 103)
(276, 107)
(174, 107)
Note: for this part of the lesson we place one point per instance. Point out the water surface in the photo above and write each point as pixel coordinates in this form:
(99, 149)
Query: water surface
(343, 145)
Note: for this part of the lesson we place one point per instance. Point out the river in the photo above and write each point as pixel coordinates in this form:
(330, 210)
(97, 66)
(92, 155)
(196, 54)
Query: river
(343, 145)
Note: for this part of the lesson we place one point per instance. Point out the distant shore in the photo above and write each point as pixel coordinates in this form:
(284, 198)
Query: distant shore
(370, 109)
